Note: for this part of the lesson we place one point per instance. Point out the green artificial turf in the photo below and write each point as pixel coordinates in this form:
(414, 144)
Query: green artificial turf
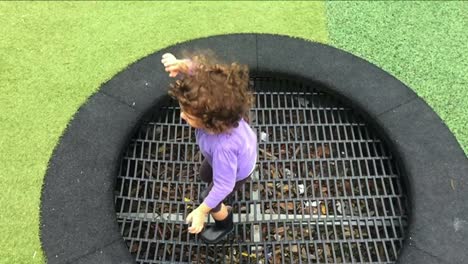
(54, 55)
(423, 44)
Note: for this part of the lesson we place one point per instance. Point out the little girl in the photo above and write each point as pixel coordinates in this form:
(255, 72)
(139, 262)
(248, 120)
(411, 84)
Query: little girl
(215, 100)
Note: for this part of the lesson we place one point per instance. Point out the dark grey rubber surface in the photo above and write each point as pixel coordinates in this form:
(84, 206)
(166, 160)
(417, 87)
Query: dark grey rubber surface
(77, 210)
(362, 83)
(436, 168)
(115, 253)
(145, 81)
(78, 222)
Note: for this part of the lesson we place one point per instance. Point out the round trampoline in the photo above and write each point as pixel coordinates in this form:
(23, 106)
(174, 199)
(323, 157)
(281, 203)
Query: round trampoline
(349, 168)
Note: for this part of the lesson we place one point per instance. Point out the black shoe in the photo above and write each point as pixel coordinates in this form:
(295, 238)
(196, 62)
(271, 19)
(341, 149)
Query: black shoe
(215, 233)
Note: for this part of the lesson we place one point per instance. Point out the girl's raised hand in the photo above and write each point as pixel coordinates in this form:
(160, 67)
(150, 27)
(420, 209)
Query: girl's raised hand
(173, 65)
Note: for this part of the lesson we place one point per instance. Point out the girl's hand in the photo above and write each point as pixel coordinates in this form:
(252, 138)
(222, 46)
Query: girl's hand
(197, 218)
(173, 65)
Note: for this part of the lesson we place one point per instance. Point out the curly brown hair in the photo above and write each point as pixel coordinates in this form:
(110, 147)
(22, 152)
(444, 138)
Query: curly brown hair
(217, 94)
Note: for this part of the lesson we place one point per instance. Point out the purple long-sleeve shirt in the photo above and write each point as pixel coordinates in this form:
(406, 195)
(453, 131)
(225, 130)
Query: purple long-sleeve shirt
(232, 156)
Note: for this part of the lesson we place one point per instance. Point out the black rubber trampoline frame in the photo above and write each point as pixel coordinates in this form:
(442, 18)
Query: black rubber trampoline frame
(78, 222)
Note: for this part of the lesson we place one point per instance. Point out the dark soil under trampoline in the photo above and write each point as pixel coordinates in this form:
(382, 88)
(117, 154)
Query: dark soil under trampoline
(353, 167)
(326, 188)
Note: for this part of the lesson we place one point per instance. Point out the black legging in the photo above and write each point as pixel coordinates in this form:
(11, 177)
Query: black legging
(206, 175)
